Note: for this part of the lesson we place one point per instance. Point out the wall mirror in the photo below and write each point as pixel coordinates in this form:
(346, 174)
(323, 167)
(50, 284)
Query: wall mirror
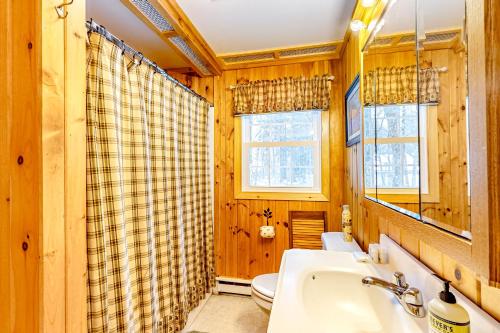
(415, 139)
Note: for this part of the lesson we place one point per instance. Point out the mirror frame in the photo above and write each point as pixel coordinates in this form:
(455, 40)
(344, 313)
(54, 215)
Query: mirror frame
(482, 254)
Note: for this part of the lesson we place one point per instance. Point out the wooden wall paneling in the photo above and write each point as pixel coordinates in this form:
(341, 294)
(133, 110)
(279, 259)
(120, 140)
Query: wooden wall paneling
(230, 209)
(348, 188)
(53, 166)
(411, 243)
(462, 277)
(268, 244)
(222, 222)
(394, 232)
(75, 169)
(282, 240)
(243, 239)
(490, 300)
(337, 144)
(442, 210)
(431, 258)
(43, 253)
(218, 193)
(5, 167)
(21, 183)
(225, 226)
(359, 182)
(255, 239)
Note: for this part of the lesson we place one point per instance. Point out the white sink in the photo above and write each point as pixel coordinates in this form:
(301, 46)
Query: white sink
(321, 291)
(336, 301)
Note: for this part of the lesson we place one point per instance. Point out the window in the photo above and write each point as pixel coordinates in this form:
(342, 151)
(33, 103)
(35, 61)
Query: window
(394, 168)
(281, 152)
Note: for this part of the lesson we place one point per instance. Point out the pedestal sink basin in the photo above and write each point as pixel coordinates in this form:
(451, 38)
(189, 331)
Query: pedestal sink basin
(335, 301)
(321, 291)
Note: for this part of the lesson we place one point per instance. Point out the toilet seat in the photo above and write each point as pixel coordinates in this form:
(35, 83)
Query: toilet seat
(265, 285)
(263, 288)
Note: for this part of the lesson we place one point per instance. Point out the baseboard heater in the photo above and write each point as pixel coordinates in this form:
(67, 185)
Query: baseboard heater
(228, 285)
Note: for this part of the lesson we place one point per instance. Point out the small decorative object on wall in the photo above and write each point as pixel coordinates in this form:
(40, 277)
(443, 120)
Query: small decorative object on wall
(267, 231)
(353, 114)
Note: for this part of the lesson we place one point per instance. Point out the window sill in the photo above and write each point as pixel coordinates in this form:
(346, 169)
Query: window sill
(281, 196)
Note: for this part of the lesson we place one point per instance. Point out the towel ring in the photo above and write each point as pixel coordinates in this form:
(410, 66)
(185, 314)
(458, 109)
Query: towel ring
(60, 9)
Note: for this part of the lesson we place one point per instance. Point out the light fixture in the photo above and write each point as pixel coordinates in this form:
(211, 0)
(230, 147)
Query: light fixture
(357, 25)
(368, 3)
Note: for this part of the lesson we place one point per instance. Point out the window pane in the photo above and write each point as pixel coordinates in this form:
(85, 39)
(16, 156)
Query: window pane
(397, 165)
(369, 166)
(369, 125)
(292, 156)
(283, 126)
(292, 166)
(273, 132)
(259, 176)
(302, 177)
(397, 121)
(259, 156)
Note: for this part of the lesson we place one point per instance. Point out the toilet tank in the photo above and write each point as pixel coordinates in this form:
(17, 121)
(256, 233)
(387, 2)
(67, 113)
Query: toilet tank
(334, 241)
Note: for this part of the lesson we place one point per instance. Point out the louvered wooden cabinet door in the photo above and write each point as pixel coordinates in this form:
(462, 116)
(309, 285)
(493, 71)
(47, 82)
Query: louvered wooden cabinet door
(306, 229)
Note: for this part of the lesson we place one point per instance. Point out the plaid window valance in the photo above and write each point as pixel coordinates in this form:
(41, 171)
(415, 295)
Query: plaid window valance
(282, 95)
(398, 85)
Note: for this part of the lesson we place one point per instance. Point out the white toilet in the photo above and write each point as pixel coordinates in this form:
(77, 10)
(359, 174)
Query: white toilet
(264, 286)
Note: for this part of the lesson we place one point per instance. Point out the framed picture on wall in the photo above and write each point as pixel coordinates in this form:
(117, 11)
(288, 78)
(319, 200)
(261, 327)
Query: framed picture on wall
(353, 114)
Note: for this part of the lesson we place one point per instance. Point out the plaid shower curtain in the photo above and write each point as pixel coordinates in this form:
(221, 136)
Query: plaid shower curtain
(149, 219)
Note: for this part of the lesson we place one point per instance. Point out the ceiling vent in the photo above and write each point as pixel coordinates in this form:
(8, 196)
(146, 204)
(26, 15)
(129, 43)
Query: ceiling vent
(382, 41)
(249, 57)
(150, 12)
(407, 39)
(190, 54)
(440, 36)
(309, 50)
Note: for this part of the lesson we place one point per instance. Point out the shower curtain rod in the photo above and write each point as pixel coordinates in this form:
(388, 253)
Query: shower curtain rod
(92, 26)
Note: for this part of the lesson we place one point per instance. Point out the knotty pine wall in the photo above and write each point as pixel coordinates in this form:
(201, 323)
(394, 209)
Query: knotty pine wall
(371, 219)
(42, 168)
(240, 251)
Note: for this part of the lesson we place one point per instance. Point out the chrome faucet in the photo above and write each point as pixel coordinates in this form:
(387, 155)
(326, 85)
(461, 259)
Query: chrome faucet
(410, 298)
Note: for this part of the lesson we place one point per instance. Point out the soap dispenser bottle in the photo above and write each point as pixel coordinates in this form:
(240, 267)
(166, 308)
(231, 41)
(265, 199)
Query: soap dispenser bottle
(445, 315)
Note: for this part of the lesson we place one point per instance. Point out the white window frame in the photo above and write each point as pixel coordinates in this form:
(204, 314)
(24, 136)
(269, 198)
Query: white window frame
(246, 145)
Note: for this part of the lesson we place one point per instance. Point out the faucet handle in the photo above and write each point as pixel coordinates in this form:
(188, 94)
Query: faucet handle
(400, 280)
(413, 303)
(413, 296)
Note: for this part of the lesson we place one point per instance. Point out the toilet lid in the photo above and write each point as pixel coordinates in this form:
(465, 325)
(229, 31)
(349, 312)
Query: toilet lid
(265, 284)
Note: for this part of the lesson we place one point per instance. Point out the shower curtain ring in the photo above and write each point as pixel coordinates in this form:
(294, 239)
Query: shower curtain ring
(60, 9)
(122, 46)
